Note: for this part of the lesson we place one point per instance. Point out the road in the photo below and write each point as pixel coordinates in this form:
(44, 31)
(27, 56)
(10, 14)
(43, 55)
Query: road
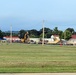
(38, 74)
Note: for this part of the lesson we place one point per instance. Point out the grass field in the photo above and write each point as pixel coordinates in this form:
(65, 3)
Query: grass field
(24, 58)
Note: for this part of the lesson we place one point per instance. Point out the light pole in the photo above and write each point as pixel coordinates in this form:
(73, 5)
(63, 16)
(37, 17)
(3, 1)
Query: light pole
(43, 34)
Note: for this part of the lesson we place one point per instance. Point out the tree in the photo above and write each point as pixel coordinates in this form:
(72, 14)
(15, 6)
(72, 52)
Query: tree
(6, 33)
(22, 33)
(33, 33)
(71, 30)
(61, 34)
(47, 31)
(1, 34)
(41, 35)
(74, 33)
(67, 34)
(55, 31)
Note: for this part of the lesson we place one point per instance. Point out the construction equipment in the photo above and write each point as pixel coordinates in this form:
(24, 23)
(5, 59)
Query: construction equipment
(26, 38)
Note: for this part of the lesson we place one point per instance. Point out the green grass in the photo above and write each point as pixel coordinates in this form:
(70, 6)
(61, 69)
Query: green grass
(37, 58)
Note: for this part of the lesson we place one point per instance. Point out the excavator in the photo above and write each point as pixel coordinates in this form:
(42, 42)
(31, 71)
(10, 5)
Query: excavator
(26, 38)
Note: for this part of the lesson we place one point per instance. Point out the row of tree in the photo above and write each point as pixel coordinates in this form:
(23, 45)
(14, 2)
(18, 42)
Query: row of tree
(38, 34)
(48, 32)
(1, 34)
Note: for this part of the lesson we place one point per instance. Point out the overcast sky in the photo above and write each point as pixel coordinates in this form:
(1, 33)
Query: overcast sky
(28, 14)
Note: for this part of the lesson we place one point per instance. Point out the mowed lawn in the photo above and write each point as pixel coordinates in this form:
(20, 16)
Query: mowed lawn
(22, 58)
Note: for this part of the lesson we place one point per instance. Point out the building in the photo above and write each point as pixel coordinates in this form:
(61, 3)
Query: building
(14, 39)
(72, 40)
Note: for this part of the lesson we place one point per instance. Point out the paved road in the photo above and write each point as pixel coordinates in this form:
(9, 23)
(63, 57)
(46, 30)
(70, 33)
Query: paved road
(38, 74)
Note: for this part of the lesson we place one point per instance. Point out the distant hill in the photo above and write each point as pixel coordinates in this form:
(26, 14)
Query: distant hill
(16, 32)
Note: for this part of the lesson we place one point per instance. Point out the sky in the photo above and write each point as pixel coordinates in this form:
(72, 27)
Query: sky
(29, 14)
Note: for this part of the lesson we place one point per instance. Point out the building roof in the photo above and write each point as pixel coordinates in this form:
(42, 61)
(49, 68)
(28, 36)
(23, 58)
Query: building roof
(73, 36)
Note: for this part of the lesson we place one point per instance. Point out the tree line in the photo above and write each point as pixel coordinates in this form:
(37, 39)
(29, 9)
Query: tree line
(38, 34)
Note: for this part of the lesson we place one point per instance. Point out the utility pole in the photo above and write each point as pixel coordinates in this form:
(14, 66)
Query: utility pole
(10, 33)
(43, 34)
